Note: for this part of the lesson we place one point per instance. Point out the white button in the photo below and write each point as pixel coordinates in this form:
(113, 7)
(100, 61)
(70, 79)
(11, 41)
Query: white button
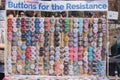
(52, 63)
(80, 63)
(19, 43)
(32, 66)
(61, 66)
(33, 57)
(66, 48)
(57, 49)
(51, 71)
(33, 48)
(19, 67)
(41, 30)
(14, 29)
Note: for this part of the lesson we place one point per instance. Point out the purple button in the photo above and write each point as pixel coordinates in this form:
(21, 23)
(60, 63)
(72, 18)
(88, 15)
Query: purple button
(70, 43)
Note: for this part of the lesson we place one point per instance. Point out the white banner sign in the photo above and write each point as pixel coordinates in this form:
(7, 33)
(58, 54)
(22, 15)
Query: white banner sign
(112, 15)
(100, 5)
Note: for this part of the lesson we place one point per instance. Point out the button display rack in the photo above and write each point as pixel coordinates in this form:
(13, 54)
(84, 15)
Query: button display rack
(56, 46)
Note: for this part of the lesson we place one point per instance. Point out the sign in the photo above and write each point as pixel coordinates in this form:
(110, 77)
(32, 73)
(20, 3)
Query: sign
(37, 5)
(112, 15)
(2, 24)
(2, 18)
(2, 15)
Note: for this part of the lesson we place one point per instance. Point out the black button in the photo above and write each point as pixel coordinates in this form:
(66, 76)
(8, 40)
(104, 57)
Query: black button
(46, 39)
(66, 72)
(33, 43)
(57, 44)
(56, 33)
(46, 44)
(46, 34)
(57, 39)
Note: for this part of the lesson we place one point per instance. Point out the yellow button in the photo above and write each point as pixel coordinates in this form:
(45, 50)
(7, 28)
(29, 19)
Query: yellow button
(66, 38)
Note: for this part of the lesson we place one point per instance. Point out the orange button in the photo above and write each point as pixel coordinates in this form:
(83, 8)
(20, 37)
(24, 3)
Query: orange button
(66, 38)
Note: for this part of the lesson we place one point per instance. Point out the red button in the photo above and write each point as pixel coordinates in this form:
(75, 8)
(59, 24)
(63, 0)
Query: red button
(23, 23)
(71, 53)
(9, 26)
(23, 29)
(28, 57)
(27, 53)
(80, 48)
(80, 53)
(10, 23)
(9, 29)
(47, 30)
(29, 47)
(71, 57)
(23, 19)
(71, 48)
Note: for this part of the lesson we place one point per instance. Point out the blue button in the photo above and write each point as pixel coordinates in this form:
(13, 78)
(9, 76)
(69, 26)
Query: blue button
(52, 20)
(28, 33)
(28, 38)
(18, 20)
(23, 56)
(37, 20)
(75, 63)
(23, 47)
(80, 20)
(52, 29)
(37, 25)
(80, 29)
(90, 53)
(28, 43)
(80, 25)
(90, 49)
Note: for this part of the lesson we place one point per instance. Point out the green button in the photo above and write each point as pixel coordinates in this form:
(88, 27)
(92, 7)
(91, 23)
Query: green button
(66, 20)
(46, 67)
(27, 66)
(27, 62)
(27, 71)
(46, 63)
(66, 30)
(66, 25)
(13, 63)
(40, 78)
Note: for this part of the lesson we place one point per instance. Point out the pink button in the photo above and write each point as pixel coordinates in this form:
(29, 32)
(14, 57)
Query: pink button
(75, 58)
(80, 53)
(71, 53)
(70, 57)
(42, 39)
(9, 38)
(95, 35)
(14, 53)
(47, 29)
(71, 48)
(75, 49)
(80, 48)
(46, 19)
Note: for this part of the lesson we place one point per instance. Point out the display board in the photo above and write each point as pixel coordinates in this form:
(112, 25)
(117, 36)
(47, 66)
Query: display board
(56, 46)
(2, 39)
